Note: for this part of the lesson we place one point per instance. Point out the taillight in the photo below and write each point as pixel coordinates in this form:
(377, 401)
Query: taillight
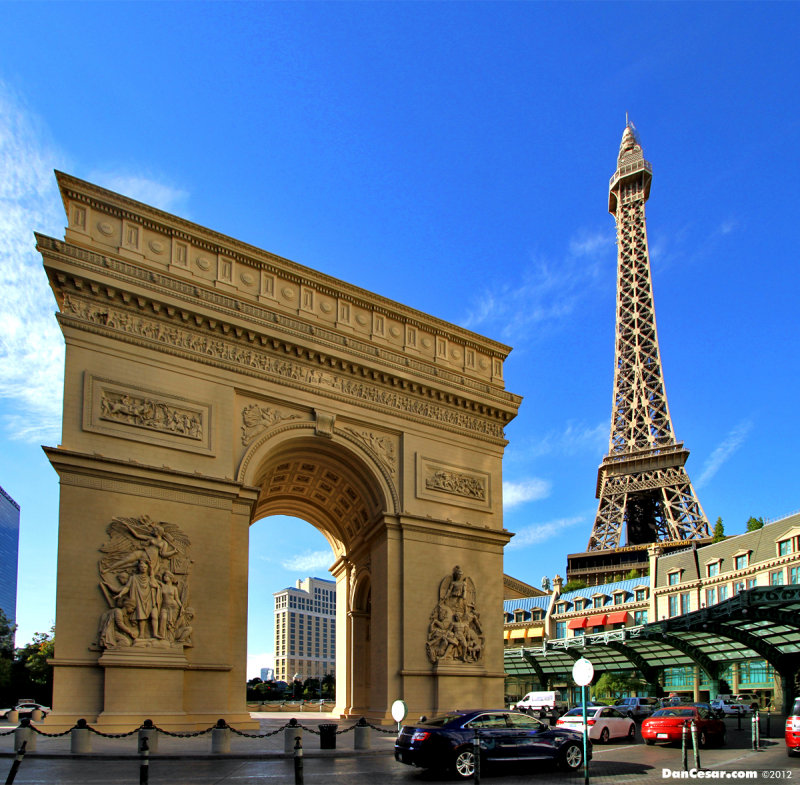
(591, 722)
(559, 721)
(420, 735)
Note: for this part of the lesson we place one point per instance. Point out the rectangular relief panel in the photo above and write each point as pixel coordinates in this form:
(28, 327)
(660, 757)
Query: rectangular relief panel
(131, 412)
(449, 484)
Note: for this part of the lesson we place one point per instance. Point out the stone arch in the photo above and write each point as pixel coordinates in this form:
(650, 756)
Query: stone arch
(199, 368)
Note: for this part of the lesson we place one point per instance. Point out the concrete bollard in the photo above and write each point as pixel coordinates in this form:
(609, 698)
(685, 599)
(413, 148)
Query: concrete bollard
(25, 733)
(147, 731)
(363, 737)
(80, 742)
(13, 717)
(220, 738)
(37, 715)
(290, 734)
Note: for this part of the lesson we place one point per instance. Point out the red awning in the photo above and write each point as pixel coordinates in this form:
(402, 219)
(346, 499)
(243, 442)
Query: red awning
(576, 624)
(618, 617)
(596, 621)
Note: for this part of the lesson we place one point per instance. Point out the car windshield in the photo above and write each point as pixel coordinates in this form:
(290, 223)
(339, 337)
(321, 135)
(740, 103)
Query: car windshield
(579, 712)
(796, 709)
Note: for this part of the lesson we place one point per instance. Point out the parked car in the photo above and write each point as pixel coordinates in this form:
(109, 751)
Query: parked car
(447, 742)
(793, 730)
(26, 709)
(605, 723)
(724, 707)
(748, 699)
(637, 707)
(709, 707)
(542, 703)
(666, 725)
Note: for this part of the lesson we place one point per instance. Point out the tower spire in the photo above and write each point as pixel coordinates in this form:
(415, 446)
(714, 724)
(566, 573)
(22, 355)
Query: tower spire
(644, 491)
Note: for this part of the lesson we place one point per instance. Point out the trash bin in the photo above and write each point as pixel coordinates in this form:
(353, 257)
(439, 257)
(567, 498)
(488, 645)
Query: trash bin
(327, 736)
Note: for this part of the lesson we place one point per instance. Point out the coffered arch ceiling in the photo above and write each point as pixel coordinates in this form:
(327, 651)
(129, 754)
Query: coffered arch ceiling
(322, 483)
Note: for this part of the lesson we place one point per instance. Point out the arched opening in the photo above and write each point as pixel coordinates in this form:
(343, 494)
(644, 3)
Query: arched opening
(318, 482)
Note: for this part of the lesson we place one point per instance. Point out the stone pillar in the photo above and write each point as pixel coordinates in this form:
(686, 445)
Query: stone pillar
(363, 735)
(80, 740)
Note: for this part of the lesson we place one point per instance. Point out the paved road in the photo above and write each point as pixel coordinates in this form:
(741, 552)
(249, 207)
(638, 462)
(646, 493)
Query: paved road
(614, 764)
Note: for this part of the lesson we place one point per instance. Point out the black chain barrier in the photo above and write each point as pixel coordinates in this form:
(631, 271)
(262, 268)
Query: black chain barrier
(221, 725)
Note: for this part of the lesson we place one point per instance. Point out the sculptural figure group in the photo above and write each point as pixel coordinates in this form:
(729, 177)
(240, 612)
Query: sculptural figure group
(144, 579)
(455, 632)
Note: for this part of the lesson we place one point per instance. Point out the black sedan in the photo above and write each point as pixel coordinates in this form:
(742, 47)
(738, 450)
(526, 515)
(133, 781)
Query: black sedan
(448, 741)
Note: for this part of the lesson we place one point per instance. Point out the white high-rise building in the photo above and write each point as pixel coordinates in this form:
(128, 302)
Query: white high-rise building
(305, 630)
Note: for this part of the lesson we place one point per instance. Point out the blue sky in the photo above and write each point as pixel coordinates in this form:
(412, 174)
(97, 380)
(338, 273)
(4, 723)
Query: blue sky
(464, 145)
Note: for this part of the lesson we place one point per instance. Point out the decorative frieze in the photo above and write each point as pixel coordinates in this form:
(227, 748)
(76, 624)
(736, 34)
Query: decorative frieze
(383, 447)
(217, 349)
(133, 412)
(443, 482)
(457, 483)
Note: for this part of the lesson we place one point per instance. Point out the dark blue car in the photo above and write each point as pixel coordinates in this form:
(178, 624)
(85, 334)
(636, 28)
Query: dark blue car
(448, 741)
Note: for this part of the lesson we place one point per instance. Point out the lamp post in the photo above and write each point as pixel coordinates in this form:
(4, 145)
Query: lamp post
(583, 673)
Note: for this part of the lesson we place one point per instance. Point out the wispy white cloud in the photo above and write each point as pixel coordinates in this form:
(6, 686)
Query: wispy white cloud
(149, 190)
(548, 291)
(572, 439)
(31, 346)
(540, 532)
(310, 561)
(732, 442)
(529, 490)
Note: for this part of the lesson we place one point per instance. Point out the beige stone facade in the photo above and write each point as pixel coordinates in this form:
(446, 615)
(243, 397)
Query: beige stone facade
(209, 384)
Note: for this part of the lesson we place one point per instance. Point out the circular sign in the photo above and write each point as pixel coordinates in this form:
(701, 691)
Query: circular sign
(583, 672)
(399, 710)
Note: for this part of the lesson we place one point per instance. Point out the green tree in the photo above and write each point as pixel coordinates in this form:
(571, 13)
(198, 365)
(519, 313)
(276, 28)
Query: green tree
(7, 632)
(34, 657)
(574, 585)
(754, 523)
(632, 574)
(719, 531)
(613, 685)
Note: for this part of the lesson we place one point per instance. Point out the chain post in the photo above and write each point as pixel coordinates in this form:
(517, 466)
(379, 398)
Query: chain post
(17, 761)
(298, 760)
(695, 744)
(144, 762)
(685, 746)
(754, 731)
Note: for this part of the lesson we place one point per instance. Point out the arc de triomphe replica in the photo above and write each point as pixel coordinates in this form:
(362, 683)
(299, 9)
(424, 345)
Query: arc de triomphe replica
(209, 384)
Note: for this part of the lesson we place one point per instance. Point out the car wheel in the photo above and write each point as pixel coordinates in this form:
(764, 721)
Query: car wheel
(464, 763)
(632, 732)
(572, 756)
(649, 742)
(702, 739)
(604, 736)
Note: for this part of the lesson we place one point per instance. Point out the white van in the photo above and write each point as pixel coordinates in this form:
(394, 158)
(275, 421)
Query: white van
(543, 703)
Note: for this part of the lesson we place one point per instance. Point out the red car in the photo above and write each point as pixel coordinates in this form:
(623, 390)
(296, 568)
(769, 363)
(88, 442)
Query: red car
(793, 730)
(666, 725)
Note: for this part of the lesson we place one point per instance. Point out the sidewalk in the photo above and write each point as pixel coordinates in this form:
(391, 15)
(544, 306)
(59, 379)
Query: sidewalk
(199, 746)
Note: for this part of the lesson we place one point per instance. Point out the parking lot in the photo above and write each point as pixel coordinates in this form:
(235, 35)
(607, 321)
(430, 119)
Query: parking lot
(190, 761)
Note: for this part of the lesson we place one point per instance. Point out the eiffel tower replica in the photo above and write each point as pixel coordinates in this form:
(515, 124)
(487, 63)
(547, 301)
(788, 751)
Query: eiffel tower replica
(645, 494)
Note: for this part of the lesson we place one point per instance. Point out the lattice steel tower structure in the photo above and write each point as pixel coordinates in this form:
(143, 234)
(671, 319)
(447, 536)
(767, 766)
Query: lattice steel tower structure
(645, 494)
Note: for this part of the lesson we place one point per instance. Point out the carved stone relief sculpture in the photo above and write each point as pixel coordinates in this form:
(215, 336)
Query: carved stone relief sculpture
(455, 632)
(144, 578)
(256, 419)
(145, 412)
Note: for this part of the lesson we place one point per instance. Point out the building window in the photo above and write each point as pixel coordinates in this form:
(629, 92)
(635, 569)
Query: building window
(738, 586)
(740, 562)
(723, 592)
(674, 578)
(619, 598)
(640, 617)
(673, 605)
(794, 575)
(561, 607)
(776, 578)
(598, 602)
(579, 631)
(519, 615)
(685, 603)
(561, 629)
(784, 547)
(751, 583)
(641, 594)
(711, 596)
(713, 569)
